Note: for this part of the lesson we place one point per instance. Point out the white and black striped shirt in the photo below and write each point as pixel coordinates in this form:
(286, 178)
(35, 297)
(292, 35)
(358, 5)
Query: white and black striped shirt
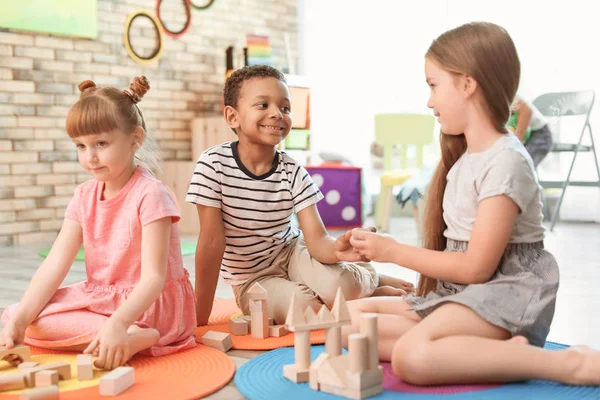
(256, 210)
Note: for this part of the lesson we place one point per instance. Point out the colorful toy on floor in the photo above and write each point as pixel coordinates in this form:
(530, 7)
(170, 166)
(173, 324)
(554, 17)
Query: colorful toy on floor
(355, 375)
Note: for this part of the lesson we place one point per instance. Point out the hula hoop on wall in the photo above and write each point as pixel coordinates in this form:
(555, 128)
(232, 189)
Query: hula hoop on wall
(205, 4)
(127, 37)
(188, 21)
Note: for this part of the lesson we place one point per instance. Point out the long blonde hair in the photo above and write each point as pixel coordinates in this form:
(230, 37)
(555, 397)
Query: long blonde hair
(101, 110)
(485, 52)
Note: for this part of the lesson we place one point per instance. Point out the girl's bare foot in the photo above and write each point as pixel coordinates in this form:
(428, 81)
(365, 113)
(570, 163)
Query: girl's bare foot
(138, 340)
(385, 280)
(388, 291)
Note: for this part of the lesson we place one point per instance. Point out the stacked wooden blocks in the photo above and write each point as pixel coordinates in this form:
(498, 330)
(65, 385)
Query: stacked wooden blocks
(355, 375)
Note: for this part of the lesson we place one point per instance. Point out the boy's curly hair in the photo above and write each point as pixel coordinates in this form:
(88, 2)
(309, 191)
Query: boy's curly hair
(231, 92)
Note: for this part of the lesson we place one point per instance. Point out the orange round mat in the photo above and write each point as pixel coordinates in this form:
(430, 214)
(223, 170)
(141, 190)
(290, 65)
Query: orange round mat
(218, 321)
(189, 374)
(222, 310)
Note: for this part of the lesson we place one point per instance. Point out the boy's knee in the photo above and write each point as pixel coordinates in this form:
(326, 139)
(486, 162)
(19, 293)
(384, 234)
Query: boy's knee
(353, 285)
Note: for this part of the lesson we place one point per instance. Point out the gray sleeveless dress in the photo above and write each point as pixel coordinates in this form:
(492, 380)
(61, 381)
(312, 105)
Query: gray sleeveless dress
(521, 295)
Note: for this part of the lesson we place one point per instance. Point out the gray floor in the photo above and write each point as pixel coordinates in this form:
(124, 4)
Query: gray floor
(575, 245)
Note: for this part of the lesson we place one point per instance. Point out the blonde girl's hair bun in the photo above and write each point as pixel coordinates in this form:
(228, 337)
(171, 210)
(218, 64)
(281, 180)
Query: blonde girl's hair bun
(138, 88)
(86, 86)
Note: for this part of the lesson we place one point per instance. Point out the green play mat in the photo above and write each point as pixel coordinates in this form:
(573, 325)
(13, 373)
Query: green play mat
(187, 248)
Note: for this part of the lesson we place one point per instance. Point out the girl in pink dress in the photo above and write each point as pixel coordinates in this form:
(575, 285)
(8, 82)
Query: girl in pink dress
(138, 297)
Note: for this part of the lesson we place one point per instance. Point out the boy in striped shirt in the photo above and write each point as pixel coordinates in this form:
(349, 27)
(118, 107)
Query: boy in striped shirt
(246, 193)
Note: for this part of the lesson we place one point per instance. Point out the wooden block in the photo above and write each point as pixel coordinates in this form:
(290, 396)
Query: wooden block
(368, 327)
(238, 326)
(258, 305)
(45, 393)
(359, 351)
(310, 316)
(314, 369)
(117, 381)
(248, 319)
(295, 374)
(85, 368)
(257, 292)
(260, 325)
(271, 321)
(324, 314)
(46, 378)
(333, 371)
(364, 380)
(63, 369)
(217, 340)
(20, 350)
(352, 393)
(11, 382)
(333, 341)
(27, 365)
(278, 331)
(294, 316)
(340, 310)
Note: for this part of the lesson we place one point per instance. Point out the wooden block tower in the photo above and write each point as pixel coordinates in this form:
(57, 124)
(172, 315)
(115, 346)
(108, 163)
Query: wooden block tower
(259, 325)
(355, 375)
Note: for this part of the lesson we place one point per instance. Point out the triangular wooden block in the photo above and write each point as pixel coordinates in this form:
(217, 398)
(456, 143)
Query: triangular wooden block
(340, 309)
(257, 292)
(333, 371)
(294, 315)
(310, 316)
(324, 314)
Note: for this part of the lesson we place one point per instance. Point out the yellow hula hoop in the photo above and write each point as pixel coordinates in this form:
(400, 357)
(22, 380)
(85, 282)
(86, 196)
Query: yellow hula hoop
(127, 40)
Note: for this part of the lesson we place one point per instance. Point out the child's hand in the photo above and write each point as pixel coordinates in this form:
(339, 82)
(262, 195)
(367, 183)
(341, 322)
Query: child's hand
(344, 250)
(12, 335)
(112, 345)
(373, 246)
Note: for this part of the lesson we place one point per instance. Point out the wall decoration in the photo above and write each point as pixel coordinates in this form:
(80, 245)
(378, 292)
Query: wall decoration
(59, 17)
(188, 20)
(127, 37)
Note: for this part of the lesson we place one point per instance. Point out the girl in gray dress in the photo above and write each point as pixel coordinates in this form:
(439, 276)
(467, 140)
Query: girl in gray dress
(487, 290)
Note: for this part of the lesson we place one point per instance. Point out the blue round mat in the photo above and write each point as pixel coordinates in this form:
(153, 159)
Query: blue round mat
(262, 378)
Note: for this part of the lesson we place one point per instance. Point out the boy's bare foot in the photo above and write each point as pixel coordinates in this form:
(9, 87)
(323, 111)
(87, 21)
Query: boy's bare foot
(139, 339)
(388, 291)
(385, 280)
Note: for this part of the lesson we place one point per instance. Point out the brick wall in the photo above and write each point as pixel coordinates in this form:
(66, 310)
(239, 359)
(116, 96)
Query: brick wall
(39, 74)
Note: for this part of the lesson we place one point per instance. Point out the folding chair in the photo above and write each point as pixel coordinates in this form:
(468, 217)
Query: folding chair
(567, 104)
